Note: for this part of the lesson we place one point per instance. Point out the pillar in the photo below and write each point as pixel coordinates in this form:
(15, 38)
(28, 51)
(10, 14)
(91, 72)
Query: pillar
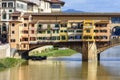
(98, 57)
(24, 54)
(89, 51)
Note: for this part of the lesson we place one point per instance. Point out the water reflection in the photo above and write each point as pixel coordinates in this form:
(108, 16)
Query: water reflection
(63, 70)
(68, 68)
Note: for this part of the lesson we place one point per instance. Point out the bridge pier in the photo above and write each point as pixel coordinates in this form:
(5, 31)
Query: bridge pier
(98, 57)
(24, 54)
(89, 51)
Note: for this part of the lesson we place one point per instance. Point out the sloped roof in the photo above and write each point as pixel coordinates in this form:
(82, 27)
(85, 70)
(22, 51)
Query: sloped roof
(56, 2)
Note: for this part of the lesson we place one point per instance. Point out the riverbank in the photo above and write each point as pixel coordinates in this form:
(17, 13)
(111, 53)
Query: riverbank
(55, 53)
(10, 62)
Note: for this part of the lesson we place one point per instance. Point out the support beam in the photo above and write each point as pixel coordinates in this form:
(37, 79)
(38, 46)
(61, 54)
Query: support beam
(89, 51)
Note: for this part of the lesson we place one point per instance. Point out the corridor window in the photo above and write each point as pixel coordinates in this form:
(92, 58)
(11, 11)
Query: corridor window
(55, 6)
(115, 19)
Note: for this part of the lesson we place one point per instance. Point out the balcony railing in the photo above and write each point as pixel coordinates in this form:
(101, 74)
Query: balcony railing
(55, 28)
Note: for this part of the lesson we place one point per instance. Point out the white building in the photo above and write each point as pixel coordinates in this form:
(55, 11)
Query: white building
(48, 6)
(11, 6)
(24, 6)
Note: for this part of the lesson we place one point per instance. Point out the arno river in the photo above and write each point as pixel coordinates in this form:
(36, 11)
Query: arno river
(68, 68)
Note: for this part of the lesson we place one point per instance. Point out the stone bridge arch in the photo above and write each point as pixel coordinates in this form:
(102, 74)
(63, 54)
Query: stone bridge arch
(77, 46)
(115, 30)
(112, 43)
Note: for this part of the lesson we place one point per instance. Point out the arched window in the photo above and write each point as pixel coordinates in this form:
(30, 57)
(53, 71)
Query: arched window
(4, 15)
(4, 27)
(116, 30)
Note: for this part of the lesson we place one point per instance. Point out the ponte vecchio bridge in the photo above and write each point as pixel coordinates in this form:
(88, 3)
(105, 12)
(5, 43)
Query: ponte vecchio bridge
(88, 33)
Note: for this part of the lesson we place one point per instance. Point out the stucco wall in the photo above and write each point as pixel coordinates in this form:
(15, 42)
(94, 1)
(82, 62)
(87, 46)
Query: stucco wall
(4, 51)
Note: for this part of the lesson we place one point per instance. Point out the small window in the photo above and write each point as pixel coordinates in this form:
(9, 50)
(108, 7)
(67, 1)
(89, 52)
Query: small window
(53, 37)
(61, 31)
(4, 28)
(96, 31)
(39, 25)
(57, 26)
(58, 37)
(25, 31)
(25, 25)
(64, 25)
(18, 5)
(88, 31)
(10, 4)
(13, 40)
(13, 32)
(39, 38)
(48, 32)
(57, 31)
(32, 31)
(10, 10)
(4, 5)
(25, 39)
(87, 37)
(65, 31)
(79, 31)
(24, 45)
(39, 31)
(13, 24)
(4, 15)
(32, 25)
(25, 18)
(63, 37)
(53, 31)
